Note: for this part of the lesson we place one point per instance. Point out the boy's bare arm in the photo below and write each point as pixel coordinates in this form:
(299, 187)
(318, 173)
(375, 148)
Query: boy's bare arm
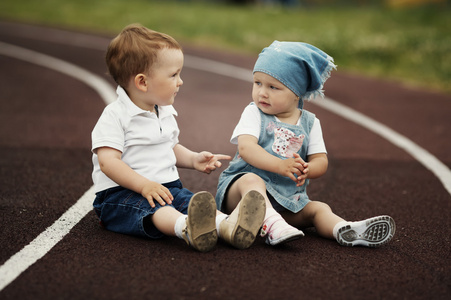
(185, 157)
(203, 161)
(258, 157)
(112, 166)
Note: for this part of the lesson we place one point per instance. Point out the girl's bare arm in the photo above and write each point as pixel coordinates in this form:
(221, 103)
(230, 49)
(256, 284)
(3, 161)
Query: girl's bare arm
(317, 165)
(258, 157)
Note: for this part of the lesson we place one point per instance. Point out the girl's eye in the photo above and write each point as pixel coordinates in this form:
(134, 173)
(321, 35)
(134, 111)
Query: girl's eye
(257, 83)
(273, 87)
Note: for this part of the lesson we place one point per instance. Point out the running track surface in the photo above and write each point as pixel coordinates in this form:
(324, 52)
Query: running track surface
(46, 119)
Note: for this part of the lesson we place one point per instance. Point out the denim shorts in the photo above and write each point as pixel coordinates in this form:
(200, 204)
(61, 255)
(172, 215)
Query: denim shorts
(124, 211)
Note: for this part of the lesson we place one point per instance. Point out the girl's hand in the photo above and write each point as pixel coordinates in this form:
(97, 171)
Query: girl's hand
(207, 162)
(293, 167)
(304, 171)
(301, 179)
(154, 191)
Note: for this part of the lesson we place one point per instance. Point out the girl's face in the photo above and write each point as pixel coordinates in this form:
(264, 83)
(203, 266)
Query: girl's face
(273, 97)
(163, 80)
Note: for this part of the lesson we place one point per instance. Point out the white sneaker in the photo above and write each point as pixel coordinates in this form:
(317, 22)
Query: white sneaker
(373, 232)
(278, 231)
(241, 227)
(200, 232)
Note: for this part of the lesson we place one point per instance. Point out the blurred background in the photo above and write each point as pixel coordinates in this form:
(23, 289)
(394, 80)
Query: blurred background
(408, 41)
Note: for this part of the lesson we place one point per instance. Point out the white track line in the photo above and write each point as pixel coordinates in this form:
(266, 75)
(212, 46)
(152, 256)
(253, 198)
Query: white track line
(100, 85)
(19, 262)
(42, 244)
(424, 157)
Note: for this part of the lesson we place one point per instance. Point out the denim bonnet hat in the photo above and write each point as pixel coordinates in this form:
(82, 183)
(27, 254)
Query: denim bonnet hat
(301, 67)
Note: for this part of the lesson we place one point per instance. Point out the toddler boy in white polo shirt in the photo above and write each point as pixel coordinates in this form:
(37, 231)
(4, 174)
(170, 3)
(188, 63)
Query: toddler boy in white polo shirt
(136, 153)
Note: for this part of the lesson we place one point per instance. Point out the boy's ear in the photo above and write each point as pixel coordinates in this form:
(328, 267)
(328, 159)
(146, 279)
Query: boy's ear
(141, 82)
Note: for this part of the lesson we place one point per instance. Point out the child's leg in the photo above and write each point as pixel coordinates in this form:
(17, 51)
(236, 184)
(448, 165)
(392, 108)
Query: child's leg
(316, 214)
(165, 219)
(372, 232)
(278, 231)
(198, 229)
(244, 184)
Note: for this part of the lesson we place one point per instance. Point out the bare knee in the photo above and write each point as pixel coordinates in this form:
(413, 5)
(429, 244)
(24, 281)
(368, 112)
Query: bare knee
(314, 209)
(252, 180)
(240, 187)
(318, 207)
(306, 217)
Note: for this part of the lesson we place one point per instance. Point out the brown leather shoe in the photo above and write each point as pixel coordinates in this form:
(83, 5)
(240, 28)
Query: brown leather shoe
(241, 227)
(200, 232)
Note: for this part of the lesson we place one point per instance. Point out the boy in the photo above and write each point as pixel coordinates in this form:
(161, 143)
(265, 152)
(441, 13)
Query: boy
(136, 153)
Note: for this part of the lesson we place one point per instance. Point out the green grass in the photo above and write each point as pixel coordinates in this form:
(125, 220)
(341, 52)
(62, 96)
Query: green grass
(410, 45)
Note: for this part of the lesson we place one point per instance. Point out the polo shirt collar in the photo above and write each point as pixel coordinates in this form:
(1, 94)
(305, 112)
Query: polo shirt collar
(134, 110)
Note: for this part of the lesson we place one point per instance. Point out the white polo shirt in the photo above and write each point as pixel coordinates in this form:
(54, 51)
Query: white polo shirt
(145, 140)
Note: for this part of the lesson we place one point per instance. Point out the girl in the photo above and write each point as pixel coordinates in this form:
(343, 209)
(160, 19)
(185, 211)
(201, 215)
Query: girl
(280, 147)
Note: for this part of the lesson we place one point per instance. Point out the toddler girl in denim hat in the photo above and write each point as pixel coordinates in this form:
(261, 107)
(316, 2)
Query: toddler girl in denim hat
(280, 148)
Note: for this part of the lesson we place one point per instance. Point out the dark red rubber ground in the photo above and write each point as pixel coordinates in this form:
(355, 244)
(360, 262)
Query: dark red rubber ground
(45, 162)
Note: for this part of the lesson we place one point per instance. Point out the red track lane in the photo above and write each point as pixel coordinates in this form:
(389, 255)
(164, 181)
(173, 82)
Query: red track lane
(46, 121)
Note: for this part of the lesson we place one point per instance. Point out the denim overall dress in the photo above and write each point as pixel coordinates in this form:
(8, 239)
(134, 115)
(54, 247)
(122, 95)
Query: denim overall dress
(281, 140)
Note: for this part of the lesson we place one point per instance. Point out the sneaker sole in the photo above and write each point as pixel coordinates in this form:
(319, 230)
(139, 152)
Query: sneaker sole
(201, 226)
(374, 232)
(250, 218)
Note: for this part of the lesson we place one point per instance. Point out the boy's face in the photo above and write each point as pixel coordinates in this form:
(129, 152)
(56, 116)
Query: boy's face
(273, 97)
(164, 81)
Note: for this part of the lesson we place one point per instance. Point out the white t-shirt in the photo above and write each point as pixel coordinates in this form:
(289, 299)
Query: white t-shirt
(145, 140)
(250, 124)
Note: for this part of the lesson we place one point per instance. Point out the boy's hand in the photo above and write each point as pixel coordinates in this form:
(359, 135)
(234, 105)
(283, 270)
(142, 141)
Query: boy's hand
(154, 191)
(207, 162)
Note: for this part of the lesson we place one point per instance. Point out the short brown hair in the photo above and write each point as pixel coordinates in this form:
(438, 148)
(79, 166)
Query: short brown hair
(134, 51)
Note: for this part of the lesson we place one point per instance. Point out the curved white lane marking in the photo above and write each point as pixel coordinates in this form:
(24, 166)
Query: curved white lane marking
(424, 157)
(100, 85)
(42, 244)
(217, 67)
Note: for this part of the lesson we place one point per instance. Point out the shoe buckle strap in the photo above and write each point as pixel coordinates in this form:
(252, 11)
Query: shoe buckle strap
(264, 230)
(186, 237)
